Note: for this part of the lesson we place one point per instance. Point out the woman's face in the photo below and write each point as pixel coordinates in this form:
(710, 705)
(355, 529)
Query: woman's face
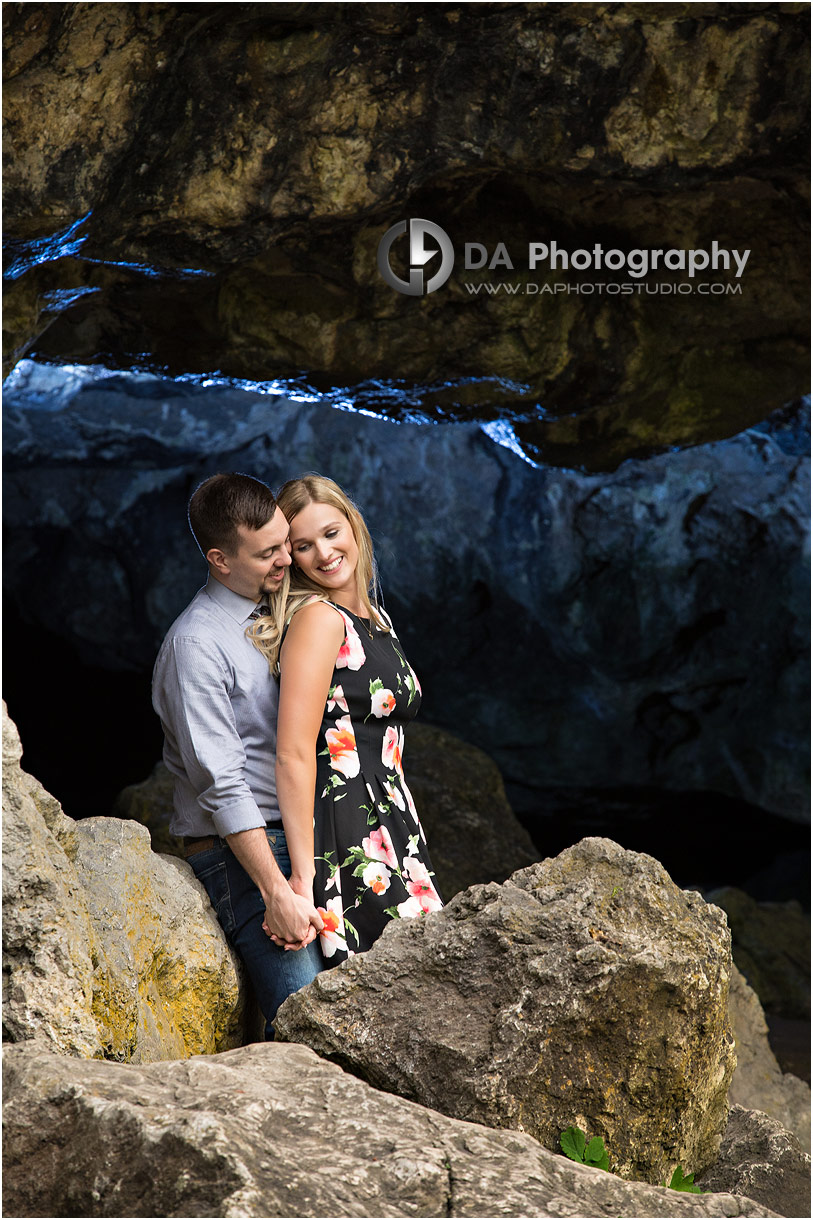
(324, 549)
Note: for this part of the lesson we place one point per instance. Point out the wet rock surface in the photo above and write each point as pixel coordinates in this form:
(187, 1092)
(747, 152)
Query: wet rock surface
(585, 630)
(210, 193)
(589, 989)
(243, 1134)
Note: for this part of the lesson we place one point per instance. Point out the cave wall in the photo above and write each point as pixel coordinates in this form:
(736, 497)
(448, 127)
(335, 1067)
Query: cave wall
(270, 146)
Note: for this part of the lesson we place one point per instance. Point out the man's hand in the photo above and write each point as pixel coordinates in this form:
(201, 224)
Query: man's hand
(291, 919)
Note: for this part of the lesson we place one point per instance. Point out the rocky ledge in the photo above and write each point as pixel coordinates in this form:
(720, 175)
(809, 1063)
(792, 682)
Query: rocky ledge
(585, 990)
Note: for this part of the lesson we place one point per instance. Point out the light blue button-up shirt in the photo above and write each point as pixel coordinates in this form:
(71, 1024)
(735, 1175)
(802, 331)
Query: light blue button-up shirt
(217, 702)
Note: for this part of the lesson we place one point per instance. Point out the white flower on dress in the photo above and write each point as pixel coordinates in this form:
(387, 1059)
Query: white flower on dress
(341, 743)
(409, 909)
(394, 795)
(377, 876)
(382, 702)
(420, 884)
(379, 847)
(411, 806)
(351, 654)
(392, 748)
(335, 698)
(332, 935)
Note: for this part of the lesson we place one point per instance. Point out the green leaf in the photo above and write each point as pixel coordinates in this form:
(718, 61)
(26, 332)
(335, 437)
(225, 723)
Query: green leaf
(392, 912)
(572, 1143)
(684, 1183)
(595, 1154)
(376, 684)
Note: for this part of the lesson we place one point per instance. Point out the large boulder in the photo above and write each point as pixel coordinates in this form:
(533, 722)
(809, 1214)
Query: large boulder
(762, 1160)
(271, 1130)
(108, 949)
(586, 990)
(587, 631)
(759, 1083)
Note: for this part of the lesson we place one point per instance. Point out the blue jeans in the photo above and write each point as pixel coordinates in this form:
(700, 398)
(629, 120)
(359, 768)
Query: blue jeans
(274, 972)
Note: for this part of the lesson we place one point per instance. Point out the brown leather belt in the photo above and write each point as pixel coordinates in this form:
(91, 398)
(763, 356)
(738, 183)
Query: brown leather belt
(192, 845)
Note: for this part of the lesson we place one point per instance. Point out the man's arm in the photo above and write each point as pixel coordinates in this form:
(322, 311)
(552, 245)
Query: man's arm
(192, 698)
(290, 919)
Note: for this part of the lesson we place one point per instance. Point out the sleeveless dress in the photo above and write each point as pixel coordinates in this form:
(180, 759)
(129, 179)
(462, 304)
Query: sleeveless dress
(371, 859)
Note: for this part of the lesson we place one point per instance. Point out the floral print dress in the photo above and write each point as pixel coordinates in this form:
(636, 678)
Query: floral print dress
(371, 860)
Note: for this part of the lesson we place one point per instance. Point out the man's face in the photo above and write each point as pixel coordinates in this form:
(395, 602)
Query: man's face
(256, 569)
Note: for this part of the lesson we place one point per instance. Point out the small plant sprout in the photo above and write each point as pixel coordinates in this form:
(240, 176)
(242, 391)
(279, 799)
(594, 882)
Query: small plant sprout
(684, 1182)
(574, 1144)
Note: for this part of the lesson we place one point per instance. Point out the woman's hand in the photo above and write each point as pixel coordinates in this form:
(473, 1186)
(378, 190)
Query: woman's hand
(302, 886)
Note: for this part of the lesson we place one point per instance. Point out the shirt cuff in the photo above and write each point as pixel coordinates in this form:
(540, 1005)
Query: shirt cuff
(242, 815)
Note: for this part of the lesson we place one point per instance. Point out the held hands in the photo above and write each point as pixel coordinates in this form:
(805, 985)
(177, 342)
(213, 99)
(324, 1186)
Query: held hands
(291, 919)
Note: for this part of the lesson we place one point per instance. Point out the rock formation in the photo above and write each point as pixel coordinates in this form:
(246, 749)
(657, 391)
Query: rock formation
(586, 631)
(271, 1130)
(587, 990)
(770, 942)
(762, 1160)
(759, 1083)
(211, 192)
(109, 951)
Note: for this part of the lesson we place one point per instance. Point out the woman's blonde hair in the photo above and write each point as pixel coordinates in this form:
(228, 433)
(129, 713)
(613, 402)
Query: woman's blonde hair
(292, 497)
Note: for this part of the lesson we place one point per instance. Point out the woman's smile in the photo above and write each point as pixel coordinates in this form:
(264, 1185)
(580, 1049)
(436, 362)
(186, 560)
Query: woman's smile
(324, 549)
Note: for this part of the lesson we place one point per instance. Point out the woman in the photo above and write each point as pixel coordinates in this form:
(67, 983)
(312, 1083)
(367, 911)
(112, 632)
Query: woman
(346, 693)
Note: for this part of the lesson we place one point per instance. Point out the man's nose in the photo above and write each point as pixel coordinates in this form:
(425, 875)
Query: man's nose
(284, 558)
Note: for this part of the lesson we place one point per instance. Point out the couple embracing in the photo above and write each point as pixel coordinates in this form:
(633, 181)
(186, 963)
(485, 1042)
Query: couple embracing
(283, 692)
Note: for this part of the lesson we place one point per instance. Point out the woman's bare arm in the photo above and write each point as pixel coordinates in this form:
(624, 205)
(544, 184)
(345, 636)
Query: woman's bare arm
(307, 661)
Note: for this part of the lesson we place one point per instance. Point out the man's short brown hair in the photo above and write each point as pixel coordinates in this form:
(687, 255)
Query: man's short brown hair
(222, 503)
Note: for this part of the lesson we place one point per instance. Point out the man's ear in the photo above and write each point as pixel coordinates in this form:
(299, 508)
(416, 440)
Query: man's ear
(219, 560)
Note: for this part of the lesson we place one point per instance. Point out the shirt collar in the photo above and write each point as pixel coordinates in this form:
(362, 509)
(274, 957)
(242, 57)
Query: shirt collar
(238, 607)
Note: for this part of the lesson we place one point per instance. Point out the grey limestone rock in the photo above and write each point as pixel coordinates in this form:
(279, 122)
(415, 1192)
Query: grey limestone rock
(272, 1130)
(762, 1160)
(759, 1083)
(588, 990)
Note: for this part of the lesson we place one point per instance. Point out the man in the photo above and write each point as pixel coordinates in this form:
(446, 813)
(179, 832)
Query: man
(218, 707)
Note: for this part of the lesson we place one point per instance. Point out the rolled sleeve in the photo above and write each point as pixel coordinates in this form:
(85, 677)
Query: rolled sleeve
(192, 696)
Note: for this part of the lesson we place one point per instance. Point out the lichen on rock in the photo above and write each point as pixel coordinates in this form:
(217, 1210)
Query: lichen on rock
(109, 951)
